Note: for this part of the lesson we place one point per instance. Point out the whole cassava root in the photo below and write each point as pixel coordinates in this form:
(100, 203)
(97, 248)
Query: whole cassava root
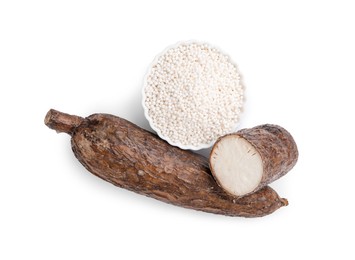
(248, 160)
(127, 156)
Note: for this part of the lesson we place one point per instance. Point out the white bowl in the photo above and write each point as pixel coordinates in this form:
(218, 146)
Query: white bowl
(151, 121)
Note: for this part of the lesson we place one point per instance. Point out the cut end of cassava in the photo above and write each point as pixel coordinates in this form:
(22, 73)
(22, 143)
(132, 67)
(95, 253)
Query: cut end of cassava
(236, 165)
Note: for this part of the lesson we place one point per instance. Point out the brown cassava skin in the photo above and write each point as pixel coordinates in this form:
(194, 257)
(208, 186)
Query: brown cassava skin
(276, 147)
(130, 157)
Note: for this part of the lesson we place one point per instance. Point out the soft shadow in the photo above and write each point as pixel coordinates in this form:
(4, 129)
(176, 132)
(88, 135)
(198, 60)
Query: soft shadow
(137, 112)
(205, 152)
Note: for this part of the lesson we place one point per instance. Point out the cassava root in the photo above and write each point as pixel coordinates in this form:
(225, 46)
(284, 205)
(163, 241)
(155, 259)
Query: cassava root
(127, 156)
(248, 160)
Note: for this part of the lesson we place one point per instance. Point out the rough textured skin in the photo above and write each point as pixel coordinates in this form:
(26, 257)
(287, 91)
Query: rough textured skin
(120, 152)
(276, 147)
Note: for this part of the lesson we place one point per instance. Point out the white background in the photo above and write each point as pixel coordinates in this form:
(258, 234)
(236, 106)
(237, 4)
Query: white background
(297, 61)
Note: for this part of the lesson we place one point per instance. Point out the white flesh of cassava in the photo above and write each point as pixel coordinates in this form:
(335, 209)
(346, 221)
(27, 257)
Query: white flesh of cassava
(236, 165)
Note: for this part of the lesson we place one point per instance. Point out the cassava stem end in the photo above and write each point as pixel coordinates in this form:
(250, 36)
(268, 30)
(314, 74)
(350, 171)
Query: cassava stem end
(62, 122)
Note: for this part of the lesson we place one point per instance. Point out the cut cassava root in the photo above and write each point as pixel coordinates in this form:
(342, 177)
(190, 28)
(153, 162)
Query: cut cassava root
(127, 156)
(248, 160)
